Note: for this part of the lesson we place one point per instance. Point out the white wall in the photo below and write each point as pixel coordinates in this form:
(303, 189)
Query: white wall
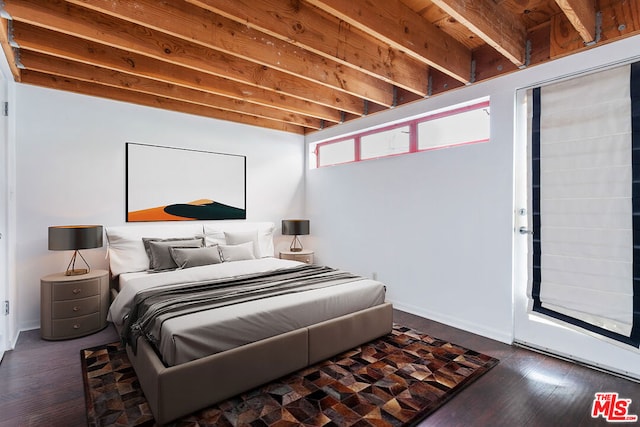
(70, 162)
(437, 227)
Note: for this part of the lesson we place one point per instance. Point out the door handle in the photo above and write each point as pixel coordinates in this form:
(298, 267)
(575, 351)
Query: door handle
(523, 230)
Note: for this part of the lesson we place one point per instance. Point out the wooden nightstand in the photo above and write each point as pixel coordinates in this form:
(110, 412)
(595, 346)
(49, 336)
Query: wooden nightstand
(302, 256)
(73, 306)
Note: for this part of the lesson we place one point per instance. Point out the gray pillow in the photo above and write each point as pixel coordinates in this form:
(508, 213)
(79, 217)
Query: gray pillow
(158, 251)
(194, 257)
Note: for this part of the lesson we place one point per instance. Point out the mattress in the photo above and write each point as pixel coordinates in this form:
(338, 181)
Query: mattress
(200, 334)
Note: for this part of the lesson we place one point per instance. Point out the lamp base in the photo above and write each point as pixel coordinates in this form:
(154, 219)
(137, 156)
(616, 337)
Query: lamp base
(76, 272)
(71, 268)
(296, 245)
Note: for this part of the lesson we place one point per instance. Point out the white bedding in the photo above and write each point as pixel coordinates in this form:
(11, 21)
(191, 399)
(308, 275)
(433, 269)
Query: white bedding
(199, 334)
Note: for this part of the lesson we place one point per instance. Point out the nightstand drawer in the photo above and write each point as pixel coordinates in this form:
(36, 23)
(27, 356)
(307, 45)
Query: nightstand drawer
(75, 308)
(68, 328)
(75, 290)
(305, 256)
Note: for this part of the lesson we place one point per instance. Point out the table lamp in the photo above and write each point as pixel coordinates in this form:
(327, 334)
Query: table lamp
(295, 228)
(73, 238)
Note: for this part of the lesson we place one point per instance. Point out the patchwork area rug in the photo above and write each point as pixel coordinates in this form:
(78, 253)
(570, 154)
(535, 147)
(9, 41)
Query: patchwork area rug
(395, 380)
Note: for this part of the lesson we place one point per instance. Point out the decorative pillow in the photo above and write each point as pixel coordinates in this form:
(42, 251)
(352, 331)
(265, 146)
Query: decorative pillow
(239, 252)
(175, 241)
(239, 237)
(194, 257)
(214, 233)
(126, 250)
(159, 251)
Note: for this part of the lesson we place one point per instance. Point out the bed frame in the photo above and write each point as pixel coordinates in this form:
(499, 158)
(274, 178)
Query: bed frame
(182, 389)
(179, 390)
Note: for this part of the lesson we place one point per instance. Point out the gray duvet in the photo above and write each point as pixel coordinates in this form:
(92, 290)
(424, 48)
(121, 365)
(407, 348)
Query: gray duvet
(197, 313)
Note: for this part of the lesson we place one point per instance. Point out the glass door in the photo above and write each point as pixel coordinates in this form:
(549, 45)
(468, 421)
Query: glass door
(573, 239)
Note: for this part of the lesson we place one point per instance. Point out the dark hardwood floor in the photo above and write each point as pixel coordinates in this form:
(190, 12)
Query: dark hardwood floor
(41, 384)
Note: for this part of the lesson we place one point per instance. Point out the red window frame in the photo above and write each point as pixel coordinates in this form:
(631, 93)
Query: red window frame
(413, 135)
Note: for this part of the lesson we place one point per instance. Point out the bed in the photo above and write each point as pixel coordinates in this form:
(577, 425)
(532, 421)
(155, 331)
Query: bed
(280, 315)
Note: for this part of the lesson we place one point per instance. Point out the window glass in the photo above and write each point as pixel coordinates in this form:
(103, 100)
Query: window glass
(336, 152)
(457, 125)
(460, 128)
(385, 143)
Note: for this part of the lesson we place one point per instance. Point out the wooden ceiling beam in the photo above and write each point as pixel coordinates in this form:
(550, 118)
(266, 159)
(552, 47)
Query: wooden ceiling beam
(93, 89)
(293, 65)
(84, 23)
(497, 26)
(201, 26)
(9, 51)
(404, 29)
(312, 29)
(80, 50)
(64, 68)
(620, 19)
(582, 15)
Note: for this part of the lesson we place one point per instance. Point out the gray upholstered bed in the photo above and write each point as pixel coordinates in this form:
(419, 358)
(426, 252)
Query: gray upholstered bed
(206, 356)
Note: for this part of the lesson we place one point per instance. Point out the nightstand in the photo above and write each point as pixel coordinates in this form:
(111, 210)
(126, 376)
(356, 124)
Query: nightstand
(73, 306)
(302, 256)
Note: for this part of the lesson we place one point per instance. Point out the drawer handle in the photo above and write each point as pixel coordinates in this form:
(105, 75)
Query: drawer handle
(76, 326)
(76, 291)
(76, 308)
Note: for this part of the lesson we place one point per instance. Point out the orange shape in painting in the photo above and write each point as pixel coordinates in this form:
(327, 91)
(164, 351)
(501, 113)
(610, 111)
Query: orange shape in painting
(158, 213)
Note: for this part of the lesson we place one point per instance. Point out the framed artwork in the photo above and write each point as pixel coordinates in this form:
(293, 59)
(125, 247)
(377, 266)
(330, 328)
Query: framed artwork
(177, 184)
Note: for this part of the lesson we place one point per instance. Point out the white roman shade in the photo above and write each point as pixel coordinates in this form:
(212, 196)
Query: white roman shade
(582, 199)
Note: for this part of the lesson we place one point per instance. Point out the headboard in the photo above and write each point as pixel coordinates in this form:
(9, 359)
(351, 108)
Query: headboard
(127, 253)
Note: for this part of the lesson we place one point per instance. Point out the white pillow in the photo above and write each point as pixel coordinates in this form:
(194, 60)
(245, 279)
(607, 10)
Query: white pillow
(238, 237)
(126, 251)
(214, 234)
(239, 252)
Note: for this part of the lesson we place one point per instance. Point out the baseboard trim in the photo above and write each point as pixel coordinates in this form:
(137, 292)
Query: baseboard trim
(455, 322)
(14, 342)
(29, 328)
(606, 369)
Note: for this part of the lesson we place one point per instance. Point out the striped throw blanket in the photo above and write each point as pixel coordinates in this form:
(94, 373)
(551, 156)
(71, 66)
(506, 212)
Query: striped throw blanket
(152, 307)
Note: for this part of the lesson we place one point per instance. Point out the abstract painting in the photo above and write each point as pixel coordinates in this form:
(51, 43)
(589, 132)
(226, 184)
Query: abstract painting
(178, 184)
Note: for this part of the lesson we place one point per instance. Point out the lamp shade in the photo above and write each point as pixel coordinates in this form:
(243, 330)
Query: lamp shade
(74, 237)
(295, 227)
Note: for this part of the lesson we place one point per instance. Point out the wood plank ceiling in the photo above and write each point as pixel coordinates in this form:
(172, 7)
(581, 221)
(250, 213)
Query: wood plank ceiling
(293, 65)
